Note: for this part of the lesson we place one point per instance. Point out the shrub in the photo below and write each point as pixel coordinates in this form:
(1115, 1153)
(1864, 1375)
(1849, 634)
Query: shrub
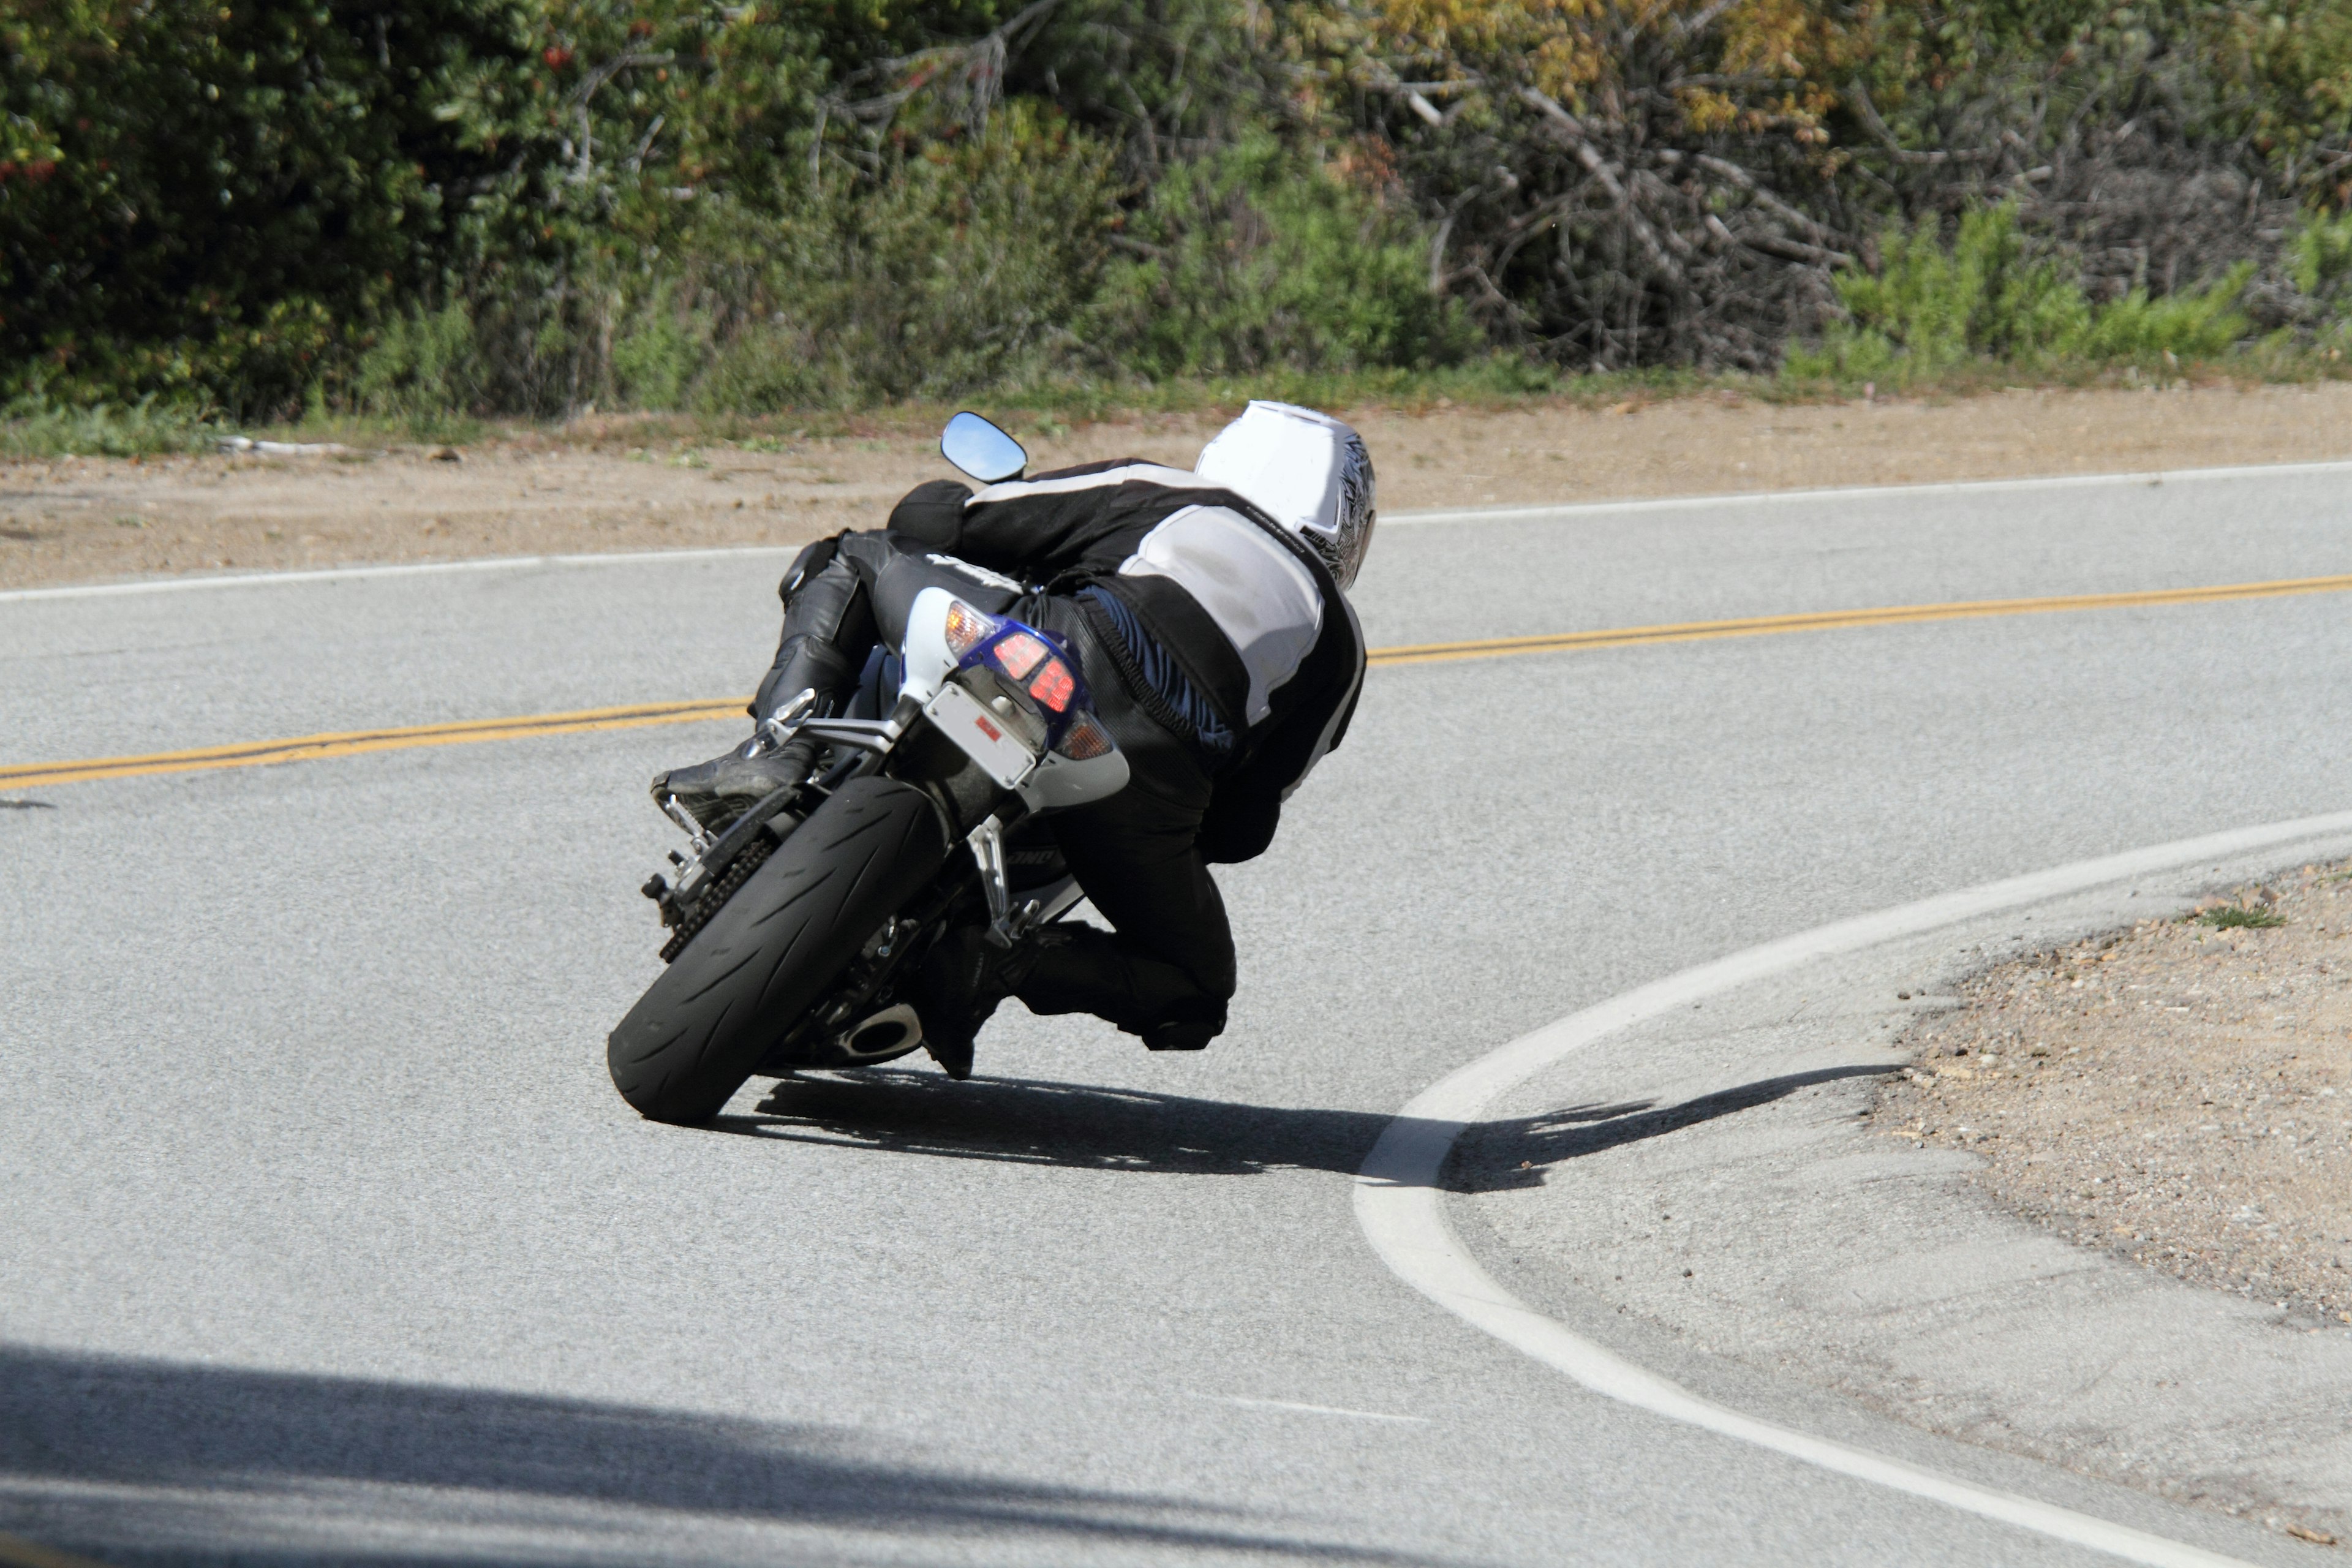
(198, 201)
(961, 267)
(1257, 259)
(35, 427)
(1933, 307)
(425, 365)
(2319, 256)
(2202, 324)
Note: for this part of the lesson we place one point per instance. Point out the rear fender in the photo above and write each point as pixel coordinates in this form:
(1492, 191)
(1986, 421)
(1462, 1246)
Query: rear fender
(1057, 783)
(927, 659)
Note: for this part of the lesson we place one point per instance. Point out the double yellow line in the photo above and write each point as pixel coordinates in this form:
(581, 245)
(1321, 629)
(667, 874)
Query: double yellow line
(353, 743)
(1831, 620)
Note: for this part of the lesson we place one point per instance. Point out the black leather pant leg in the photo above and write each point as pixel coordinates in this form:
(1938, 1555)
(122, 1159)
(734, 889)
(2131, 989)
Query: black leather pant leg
(834, 614)
(1166, 971)
(828, 627)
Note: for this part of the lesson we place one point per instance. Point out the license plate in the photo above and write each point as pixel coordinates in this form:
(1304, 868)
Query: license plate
(983, 735)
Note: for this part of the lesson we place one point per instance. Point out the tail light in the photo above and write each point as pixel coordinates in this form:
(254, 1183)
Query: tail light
(1034, 670)
(1054, 685)
(1017, 655)
(1084, 740)
(1026, 658)
(967, 627)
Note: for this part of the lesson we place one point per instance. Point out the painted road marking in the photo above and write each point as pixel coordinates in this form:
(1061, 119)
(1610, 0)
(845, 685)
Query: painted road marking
(353, 743)
(1833, 494)
(401, 569)
(1292, 1405)
(1561, 509)
(1831, 620)
(1400, 1198)
(314, 748)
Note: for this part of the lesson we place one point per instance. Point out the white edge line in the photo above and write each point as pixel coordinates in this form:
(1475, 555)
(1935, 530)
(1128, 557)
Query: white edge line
(1399, 519)
(1399, 1202)
(404, 569)
(1859, 492)
(1249, 1404)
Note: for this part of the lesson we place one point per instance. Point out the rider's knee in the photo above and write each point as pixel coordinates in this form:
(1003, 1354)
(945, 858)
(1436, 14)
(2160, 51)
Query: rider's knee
(1190, 1036)
(1186, 1023)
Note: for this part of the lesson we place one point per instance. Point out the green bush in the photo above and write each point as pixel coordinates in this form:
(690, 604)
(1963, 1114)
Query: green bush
(1932, 308)
(1257, 258)
(961, 269)
(2203, 323)
(664, 347)
(200, 201)
(2319, 256)
(35, 427)
(426, 365)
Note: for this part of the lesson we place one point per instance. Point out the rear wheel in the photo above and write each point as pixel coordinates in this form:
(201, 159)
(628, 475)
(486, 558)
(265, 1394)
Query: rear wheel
(750, 974)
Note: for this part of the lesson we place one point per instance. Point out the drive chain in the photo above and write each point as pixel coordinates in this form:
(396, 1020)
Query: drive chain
(748, 859)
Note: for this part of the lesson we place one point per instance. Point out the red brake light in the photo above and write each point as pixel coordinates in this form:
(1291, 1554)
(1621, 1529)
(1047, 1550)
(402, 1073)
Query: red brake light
(1018, 654)
(1054, 685)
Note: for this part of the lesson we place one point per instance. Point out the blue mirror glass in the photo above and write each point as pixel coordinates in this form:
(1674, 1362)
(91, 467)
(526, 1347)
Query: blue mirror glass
(981, 450)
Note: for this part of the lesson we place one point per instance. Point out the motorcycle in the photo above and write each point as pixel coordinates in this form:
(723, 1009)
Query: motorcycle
(795, 932)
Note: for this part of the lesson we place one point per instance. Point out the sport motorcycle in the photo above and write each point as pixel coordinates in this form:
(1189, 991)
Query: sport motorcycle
(795, 932)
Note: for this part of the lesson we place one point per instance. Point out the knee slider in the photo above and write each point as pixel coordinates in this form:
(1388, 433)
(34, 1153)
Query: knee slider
(1187, 1035)
(812, 560)
(1187, 1024)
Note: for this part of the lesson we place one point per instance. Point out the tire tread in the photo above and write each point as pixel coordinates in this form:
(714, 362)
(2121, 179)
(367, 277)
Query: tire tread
(759, 964)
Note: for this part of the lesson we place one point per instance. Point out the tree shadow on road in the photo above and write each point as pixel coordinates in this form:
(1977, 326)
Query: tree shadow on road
(139, 1461)
(1082, 1126)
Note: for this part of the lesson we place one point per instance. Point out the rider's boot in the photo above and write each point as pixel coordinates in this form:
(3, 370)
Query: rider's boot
(718, 791)
(955, 989)
(824, 617)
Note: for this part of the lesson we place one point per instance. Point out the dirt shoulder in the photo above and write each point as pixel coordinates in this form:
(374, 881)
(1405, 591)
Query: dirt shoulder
(92, 519)
(2179, 1093)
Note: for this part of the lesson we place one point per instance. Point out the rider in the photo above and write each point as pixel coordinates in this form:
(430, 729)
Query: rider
(1207, 611)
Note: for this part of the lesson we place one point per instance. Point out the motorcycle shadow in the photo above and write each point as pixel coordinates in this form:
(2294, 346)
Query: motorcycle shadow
(1089, 1127)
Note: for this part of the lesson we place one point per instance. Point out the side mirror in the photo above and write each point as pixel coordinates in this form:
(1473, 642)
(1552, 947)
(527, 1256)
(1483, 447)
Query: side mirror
(982, 450)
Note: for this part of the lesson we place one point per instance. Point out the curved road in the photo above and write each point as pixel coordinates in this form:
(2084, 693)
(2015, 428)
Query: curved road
(325, 1236)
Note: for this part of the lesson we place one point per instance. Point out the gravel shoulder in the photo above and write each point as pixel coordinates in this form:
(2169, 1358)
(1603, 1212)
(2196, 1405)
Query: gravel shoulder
(1740, 1197)
(617, 487)
(2179, 1092)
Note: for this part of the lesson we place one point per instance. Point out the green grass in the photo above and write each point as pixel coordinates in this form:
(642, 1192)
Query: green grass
(40, 429)
(1048, 408)
(2233, 917)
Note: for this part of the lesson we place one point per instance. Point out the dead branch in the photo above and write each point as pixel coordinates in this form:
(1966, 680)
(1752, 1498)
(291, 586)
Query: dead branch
(1867, 112)
(1571, 133)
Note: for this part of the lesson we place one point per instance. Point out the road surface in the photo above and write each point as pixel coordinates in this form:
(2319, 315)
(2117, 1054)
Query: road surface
(326, 1238)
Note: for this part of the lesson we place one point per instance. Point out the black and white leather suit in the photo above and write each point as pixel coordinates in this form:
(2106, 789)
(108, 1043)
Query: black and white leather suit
(1221, 653)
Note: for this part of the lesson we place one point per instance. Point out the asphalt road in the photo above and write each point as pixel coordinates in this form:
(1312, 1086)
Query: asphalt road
(322, 1235)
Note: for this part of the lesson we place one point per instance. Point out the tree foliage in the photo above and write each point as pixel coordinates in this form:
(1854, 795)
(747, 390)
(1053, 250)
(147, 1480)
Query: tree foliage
(1681, 179)
(538, 204)
(203, 198)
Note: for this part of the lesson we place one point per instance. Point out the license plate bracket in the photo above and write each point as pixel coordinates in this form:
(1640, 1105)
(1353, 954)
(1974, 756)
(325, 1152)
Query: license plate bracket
(981, 735)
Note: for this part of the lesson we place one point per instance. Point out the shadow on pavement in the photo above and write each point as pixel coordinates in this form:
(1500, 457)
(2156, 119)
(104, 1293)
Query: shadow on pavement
(1036, 1121)
(147, 1461)
(152, 1462)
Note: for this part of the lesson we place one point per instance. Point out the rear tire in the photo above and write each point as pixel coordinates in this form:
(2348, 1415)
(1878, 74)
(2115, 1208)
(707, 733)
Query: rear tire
(749, 974)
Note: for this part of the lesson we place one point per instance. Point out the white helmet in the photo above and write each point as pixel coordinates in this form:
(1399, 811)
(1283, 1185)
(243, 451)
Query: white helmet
(1307, 470)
